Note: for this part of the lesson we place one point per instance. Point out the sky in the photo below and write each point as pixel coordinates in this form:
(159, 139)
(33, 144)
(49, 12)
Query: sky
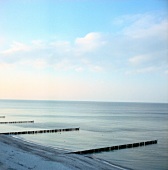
(84, 50)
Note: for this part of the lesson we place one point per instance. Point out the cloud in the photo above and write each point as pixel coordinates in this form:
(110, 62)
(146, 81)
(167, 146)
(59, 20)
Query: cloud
(166, 72)
(127, 20)
(38, 43)
(64, 64)
(147, 70)
(145, 25)
(140, 59)
(79, 69)
(16, 47)
(91, 66)
(144, 70)
(5, 66)
(61, 46)
(59, 55)
(90, 42)
(140, 45)
(96, 68)
(2, 40)
(40, 63)
(158, 30)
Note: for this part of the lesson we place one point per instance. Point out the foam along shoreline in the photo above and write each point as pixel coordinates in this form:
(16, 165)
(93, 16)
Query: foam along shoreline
(22, 155)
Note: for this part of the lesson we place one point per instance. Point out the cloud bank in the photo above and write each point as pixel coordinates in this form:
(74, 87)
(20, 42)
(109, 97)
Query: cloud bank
(140, 46)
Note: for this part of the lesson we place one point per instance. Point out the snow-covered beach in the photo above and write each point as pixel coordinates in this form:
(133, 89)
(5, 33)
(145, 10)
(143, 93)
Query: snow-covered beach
(16, 154)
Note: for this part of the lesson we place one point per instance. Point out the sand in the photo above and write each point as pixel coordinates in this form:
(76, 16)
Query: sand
(16, 154)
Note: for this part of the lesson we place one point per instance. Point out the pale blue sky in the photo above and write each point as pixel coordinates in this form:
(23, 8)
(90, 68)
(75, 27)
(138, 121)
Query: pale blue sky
(103, 50)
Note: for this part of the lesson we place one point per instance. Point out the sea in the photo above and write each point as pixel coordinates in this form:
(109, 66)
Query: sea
(102, 124)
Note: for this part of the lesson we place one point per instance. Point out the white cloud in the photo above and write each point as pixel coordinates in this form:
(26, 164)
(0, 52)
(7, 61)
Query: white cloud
(144, 70)
(62, 46)
(5, 66)
(126, 19)
(166, 72)
(2, 40)
(140, 59)
(38, 43)
(16, 47)
(90, 42)
(60, 55)
(79, 69)
(147, 70)
(91, 66)
(96, 68)
(140, 44)
(39, 63)
(64, 64)
(147, 26)
(142, 37)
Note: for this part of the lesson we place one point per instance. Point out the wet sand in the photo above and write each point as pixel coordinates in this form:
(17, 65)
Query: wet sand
(16, 154)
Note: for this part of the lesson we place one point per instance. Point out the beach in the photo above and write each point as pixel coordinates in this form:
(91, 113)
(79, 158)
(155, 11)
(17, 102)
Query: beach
(101, 124)
(16, 154)
(83, 85)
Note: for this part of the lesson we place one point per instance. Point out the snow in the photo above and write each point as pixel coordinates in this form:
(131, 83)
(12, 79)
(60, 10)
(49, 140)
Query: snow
(13, 158)
(16, 154)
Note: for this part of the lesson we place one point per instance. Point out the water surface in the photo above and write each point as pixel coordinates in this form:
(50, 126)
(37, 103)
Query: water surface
(101, 124)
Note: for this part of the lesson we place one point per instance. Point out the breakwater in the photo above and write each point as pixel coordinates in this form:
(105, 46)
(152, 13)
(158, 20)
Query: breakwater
(14, 122)
(40, 131)
(117, 147)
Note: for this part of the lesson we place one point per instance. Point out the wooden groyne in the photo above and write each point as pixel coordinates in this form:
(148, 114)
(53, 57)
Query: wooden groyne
(2, 116)
(40, 131)
(14, 122)
(112, 148)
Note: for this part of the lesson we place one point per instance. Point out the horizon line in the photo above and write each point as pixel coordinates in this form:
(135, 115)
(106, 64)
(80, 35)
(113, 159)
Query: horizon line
(100, 101)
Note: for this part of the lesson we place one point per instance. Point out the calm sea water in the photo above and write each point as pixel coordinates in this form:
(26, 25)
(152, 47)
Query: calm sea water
(101, 124)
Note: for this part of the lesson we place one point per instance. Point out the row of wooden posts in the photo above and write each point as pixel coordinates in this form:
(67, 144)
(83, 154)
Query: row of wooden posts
(34, 131)
(117, 147)
(40, 131)
(90, 151)
(14, 122)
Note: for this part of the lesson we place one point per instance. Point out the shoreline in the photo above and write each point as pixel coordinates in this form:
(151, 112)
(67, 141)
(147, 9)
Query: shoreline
(16, 154)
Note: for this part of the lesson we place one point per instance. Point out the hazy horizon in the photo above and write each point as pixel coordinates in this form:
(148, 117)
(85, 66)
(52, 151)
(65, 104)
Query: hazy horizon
(114, 51)
(96, 101)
